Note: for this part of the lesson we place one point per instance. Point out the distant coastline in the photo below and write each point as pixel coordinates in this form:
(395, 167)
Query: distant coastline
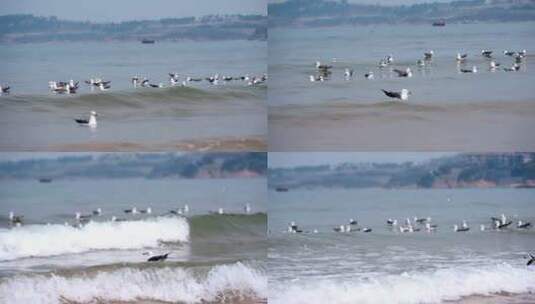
(139, 165)
(487, 170)
(32, 29)
(324, 13)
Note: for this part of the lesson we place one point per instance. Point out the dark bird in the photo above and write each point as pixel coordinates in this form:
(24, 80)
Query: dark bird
(404, 73)
(403, 95)
(522, 225)
(486, 53)
(158, 258)
(531, 260)
(472, 70)
(514, 68)
(320, 66)
(5, 89)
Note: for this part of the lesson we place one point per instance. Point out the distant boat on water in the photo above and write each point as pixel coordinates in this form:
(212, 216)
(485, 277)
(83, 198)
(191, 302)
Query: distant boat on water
(45, 180)
(281, 189)
(439, 23)
(148, 41)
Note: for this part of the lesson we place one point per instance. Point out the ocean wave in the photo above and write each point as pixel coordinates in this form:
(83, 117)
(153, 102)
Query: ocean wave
(222, 283)
(56, 239)
(228, 225)
(418, 287)
(139, 98)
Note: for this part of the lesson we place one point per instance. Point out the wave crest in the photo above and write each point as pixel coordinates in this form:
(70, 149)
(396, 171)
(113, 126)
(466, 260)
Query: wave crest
(222, 283)
(428, 287)
(47, 240)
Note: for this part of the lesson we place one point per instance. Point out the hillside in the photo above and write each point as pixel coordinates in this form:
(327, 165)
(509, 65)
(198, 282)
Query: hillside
(460, 171)
(332, 13)
(29, 28)
(151, 165)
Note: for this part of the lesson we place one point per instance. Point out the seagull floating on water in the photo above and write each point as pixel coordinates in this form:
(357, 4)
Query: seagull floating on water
(472, 70)
(158, 258)
(486, 53)
(4, 89)
(404, 73)
(461, 58)
(403, 95)
(91, 122)
(515, 67)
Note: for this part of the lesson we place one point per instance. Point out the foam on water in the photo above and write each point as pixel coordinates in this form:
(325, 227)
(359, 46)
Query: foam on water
(417, 287)
(127, 284)
(47, 240)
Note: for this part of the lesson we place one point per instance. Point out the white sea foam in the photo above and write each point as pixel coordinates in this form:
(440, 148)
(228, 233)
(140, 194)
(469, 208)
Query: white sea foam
(417, 287)
(46, 240)
(128, 284)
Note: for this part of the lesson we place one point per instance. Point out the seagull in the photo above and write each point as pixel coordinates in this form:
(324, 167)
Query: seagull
(352, 222)
(4, 89)
(97, 211)
(461, 229)
(531, 260)
(348, 73)
(369, 75)
(391, 222)
(316, 78)
(486, 53)
(461, 58)
(429, 55)
(493, 64)
(522, 225)
(406, 73)
(472, 70)
(403, 95)
(320, 66)
(420, 63)
(513, 68)
(189, 79)
(147, 211)
(133, 210)
(509, 53)
(91, 122)
(293, 228)
(15, 219)
(157, 258)
(247, 208)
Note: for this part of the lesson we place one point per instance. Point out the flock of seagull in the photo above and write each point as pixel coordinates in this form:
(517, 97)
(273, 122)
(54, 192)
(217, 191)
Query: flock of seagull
(71, 86)
(81, 219)
(419, 224)
(324, 71)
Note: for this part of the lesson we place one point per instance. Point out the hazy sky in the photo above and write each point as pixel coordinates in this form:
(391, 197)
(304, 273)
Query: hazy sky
(120, 10)
(292, 159)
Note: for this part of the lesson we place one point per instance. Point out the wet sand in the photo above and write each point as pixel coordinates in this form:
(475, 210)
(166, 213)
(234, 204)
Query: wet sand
(485, 126)
(501, 298)
(252, 144)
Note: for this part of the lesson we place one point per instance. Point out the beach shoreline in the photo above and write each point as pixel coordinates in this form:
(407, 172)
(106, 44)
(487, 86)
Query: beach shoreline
(482, 126)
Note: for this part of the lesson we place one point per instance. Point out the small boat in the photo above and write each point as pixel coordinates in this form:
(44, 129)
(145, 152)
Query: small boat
(281, 189)
(148, 41)
(45, 180)
(439, 23)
